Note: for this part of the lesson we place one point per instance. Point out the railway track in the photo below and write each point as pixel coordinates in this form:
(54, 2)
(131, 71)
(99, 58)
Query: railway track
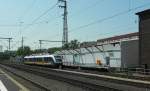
(88, 82)
(15, 74)
(67, 78)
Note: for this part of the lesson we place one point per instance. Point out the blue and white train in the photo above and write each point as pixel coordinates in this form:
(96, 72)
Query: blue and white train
(45, 60)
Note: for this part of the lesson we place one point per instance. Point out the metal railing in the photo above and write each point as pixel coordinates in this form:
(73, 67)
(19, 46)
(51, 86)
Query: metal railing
(141, 71)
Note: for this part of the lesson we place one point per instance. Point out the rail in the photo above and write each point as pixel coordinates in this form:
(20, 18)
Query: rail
(69, 78)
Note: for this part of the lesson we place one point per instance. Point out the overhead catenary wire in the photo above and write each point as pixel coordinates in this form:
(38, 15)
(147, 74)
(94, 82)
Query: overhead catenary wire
(46, 21)
(4, 44)
(104, 19)
(44, 13)
(28, 10)
(15, 44)
(25, 25)
(108, 18)
(87, 8)
(120, 30)
(111, 34)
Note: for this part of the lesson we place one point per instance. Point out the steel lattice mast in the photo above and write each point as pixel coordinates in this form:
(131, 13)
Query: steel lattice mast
(65, 24)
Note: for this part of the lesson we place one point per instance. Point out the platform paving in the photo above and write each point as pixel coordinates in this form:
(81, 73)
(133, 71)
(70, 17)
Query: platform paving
(7, 83)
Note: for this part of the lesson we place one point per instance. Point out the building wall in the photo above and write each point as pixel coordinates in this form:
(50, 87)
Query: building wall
(89, 59)
(130, 53)
(144, 29)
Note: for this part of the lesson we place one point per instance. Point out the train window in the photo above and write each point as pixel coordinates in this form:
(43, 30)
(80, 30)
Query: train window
(36, 59)
(39, 59)
(30, 59)
(33, 59)
(58, 58)
(46, 59)
(49, 59)
(26, 59)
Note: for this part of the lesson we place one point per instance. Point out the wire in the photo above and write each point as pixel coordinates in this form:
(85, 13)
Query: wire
(108, 18)
(113, 33)
(87, 8)
(28, 9)
(9, 25)
(5, 45)
(104, 19)
(127, 28)
(15, 44)
(36, 19)
(46, 21)
(93, 5)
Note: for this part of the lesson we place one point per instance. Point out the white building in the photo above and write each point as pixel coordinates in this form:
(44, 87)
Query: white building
(110, 51)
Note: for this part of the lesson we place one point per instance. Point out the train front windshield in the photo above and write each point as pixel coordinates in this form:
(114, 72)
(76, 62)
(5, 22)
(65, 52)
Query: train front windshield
(58, 58)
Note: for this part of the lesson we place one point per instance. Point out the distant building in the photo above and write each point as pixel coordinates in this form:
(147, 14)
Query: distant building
(118, 51)
(119, 38)
(87, 44)
(125, 47)
(144, 37)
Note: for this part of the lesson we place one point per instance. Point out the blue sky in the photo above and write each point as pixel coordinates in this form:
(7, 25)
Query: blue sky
(15, 15)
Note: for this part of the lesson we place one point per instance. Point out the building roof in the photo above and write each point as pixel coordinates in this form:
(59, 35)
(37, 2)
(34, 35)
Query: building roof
(119, 37)
(144, 12)
(87, 44)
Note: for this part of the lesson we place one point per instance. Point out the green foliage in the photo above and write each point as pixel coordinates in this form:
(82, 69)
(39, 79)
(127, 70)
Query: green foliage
(66, 46)
(72, 45)
(24, 51)
(4, 55)
(53, 50)
(39, 51)
(7, 54)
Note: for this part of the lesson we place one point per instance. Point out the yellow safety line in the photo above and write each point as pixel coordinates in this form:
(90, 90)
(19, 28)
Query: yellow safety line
(22, 88)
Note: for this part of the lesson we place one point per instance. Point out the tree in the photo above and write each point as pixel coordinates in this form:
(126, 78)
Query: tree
(72, 45)
(66, 46)
(4, 56)
(53, 50)
(23, 51)
(39, 51)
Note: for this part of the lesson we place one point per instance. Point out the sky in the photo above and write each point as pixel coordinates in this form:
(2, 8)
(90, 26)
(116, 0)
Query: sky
(88, 20)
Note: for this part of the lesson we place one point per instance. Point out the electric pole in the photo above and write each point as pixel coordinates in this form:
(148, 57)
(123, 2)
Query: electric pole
(65, 24)
(40, 41)
(9, 40)
(22, 43)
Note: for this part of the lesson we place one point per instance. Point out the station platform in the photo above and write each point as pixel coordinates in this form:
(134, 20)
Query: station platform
(7, 83)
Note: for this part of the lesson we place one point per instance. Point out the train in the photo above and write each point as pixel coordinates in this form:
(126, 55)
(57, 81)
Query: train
(43, 60)
(56, 61)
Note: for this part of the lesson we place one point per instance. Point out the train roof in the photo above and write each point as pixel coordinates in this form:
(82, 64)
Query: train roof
(38, 56)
